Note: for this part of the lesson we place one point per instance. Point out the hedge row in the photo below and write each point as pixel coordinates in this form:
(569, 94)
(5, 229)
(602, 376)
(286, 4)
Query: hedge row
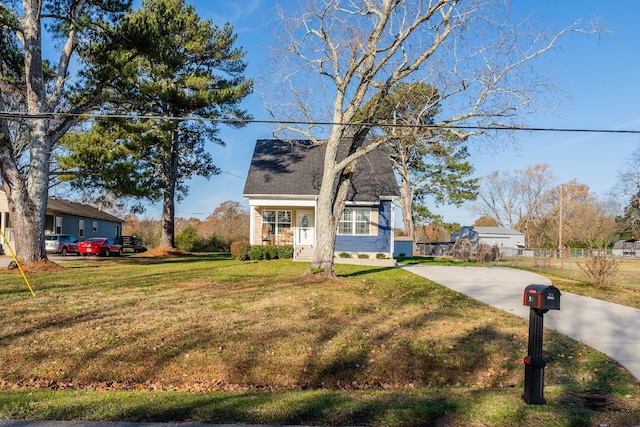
(242, 250)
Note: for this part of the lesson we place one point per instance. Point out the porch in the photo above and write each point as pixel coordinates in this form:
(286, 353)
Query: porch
(286, 225)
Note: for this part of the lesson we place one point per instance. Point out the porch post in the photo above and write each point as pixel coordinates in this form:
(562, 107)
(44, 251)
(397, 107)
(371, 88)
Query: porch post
(252, 225)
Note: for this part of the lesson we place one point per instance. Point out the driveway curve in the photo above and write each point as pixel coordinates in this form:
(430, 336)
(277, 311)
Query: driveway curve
(612, 329)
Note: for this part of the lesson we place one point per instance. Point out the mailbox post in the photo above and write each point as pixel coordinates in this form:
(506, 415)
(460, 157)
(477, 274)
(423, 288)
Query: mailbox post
(540, 299)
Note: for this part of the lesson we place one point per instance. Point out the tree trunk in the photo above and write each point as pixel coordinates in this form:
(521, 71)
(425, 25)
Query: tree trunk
(331, 202)
(28, 200)
(406, 197)
(326, 221)
(27, 213)
(167, 238)
(27, 227)
(168, 218)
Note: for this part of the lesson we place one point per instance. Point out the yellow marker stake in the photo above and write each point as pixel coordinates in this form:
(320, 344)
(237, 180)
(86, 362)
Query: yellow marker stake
(17, 263)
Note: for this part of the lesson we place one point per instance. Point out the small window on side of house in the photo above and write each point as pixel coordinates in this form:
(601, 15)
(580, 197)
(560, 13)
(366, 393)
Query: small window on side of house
(81, 228)
(95, 226)
(355, 222)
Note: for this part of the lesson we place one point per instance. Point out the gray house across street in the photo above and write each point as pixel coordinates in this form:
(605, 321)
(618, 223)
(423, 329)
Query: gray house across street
(78, 219)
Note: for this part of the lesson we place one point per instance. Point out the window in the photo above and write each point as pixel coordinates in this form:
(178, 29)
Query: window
(58, 225)
(276, 221)
(81, 228)
(355, 221)
(95, 226)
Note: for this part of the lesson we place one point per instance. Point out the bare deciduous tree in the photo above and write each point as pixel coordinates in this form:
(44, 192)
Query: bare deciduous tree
(518, 200)
(627, 192)
(500, 198)
(357, 51)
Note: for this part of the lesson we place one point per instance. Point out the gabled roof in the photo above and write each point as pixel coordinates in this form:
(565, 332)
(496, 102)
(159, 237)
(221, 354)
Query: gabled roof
(56, 205)
(497, 230)
(295, 168)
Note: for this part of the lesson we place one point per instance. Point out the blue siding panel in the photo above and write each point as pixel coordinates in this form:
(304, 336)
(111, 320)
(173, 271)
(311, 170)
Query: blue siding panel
(380, 243)
(71, 225)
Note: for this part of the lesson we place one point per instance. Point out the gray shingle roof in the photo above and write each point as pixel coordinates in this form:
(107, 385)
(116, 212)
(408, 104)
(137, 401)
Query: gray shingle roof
(497, 230)
(79, 209)
(294, 168)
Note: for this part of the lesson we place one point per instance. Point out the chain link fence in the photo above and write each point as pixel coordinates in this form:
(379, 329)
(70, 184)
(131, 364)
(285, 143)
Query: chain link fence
(567, 262)
(544, 260)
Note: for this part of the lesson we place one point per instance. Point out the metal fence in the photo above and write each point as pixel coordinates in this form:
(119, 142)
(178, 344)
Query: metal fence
(548, 253)
(444, 248)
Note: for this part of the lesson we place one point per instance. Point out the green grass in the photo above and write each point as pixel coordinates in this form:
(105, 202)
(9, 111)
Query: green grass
(210, 340)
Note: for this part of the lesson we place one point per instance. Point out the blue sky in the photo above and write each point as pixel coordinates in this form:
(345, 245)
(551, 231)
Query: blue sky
(599, 75)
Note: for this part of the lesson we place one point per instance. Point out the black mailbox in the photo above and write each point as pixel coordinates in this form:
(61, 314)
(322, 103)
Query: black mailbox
(542, 297)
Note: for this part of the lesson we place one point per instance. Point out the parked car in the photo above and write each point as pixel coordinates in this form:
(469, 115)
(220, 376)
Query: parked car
(99, 246)
(60, 244)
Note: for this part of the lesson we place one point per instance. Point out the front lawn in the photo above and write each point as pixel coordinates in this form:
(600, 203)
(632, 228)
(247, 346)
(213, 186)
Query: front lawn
(208, 339)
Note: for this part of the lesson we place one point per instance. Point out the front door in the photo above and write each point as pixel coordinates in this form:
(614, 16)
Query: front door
(305, 230)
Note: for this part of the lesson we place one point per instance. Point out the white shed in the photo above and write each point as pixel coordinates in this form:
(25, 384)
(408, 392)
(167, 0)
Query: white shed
(492, 236)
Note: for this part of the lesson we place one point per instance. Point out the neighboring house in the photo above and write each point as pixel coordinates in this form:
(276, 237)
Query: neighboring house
(504, 238)
(283, 184)
(627, 248)
(80, 220)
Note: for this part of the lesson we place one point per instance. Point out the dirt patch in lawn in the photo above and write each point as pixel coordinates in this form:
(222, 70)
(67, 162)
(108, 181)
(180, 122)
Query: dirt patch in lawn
(44, 266)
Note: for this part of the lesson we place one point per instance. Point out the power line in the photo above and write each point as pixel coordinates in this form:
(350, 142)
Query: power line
(49, 116)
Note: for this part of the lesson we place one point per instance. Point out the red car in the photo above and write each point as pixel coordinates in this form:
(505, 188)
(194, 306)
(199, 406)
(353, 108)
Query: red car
(99, 246)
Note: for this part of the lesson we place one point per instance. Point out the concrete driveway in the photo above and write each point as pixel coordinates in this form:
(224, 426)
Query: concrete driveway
(610, 328)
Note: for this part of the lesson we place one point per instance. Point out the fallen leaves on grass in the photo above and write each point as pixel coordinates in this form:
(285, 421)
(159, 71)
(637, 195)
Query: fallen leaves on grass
(165, 252)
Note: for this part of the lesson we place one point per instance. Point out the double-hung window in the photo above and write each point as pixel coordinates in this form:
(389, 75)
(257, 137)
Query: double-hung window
(355, 221)
(276, 221)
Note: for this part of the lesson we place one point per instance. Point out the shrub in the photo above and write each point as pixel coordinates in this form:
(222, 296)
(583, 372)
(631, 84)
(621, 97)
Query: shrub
(285, 252)
(363, 256)
(211, 243)
(256, 253)
(344, 255)
(599, 269)
(487, 253)
(269, 252)
(381, 256)
(240, 250)
(186, 238)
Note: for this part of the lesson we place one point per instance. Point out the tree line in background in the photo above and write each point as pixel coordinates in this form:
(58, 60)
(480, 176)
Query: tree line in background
(527, 200)
(553, 215)
(228, 223)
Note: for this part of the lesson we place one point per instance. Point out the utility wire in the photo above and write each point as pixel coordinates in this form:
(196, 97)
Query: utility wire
(23, 115)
